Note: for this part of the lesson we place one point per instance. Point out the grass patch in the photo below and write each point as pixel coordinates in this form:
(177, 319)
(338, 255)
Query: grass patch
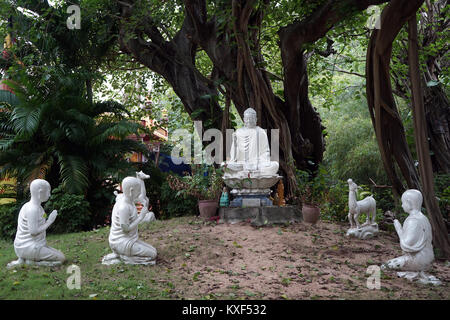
(86, 249)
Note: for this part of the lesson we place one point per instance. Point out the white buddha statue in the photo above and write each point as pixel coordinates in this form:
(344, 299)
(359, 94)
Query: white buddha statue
(30, 243)
(123, 236)
(415, 240)
(250, 152)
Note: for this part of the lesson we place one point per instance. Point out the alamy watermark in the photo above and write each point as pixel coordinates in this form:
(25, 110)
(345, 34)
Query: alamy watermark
(74, 20)
(74, 280)
(373, 281)
(374, 21)
(213, 152)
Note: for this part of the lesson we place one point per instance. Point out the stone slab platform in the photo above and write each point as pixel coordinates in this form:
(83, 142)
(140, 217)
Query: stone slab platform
(261, 216)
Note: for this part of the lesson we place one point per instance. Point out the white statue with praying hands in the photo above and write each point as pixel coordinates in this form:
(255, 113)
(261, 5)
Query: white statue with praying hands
(30, 244)
(123, 237)
(250, 171)
(415, 240)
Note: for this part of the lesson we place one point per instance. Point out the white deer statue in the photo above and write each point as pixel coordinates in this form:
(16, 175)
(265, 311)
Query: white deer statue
(143, 199)
(367, 205)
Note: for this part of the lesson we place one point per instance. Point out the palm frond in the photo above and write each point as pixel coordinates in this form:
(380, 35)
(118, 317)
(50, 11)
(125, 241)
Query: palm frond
(26, 121)
(74, 173)
(119, 130)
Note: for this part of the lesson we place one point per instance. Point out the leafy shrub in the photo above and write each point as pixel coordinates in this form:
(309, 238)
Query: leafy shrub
(165, 202)
(73, 212)
(9, 214)
(335, 206)
(352, 150)
(205, 183)
(331, 195)
(176, 205)
(442, 187)
(101, 199)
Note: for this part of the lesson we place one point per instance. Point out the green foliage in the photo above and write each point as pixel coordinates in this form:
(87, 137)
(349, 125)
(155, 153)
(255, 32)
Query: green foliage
(331, 195)
(352, 150)
(101, 198)
(312, 188)
(175, 205)
(205, 183)
(335, 205)
(165, 202)
(9, 214)
(55, 132)
(73, 212)
(442, 188)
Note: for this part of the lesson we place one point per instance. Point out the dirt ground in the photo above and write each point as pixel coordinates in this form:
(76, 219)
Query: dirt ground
(299, 261)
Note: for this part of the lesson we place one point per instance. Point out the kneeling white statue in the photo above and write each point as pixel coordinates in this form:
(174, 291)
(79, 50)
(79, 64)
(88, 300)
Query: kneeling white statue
(30, 243)
(415, 240)
(123, 236)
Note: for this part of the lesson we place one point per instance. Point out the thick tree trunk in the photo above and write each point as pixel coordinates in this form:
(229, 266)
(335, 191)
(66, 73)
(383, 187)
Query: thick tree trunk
(388, 125)
(433, 22)
(235, 52)
(174, 60)
(440, 234)
(437, 111)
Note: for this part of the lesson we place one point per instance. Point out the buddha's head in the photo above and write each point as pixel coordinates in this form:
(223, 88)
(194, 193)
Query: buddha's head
(412, 200)
(250, 118)
(40, 190)
(131, 187)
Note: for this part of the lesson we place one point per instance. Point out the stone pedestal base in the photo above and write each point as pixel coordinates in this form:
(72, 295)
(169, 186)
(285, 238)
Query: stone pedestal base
(19, 262)
(421, 277)
(261, 216)
(251, 201)
(113, 258)
(364, 232)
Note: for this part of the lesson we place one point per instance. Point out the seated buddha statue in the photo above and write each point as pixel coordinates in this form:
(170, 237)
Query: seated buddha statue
(250, 152)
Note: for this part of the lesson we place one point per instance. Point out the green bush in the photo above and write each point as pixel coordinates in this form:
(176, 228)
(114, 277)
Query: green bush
(101, 199)
(8, 220)
(442, 188)
(335, 205)
(73, 212)
(173, 205)
(164, 201)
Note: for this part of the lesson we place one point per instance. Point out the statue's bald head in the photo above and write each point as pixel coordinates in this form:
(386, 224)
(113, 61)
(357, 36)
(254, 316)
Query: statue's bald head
(250, 117)
(40, 189)
(131, 187)
(412, 199)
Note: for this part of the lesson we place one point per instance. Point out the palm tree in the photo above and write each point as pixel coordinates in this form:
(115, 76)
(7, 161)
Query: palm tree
(56, 133)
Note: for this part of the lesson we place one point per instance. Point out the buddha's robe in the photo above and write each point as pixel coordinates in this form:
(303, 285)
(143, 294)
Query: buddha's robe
(250, 151)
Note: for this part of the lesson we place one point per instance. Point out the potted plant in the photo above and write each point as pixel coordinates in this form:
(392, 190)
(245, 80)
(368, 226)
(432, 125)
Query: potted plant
(310, 205)
(310, 194)
(205, 184)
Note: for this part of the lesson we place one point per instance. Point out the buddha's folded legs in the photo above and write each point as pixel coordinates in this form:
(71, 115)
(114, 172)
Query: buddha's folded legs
(142, 249)
(271, 168)
(45, 256)
(409, 263)
(37, 254)
(50, 254)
